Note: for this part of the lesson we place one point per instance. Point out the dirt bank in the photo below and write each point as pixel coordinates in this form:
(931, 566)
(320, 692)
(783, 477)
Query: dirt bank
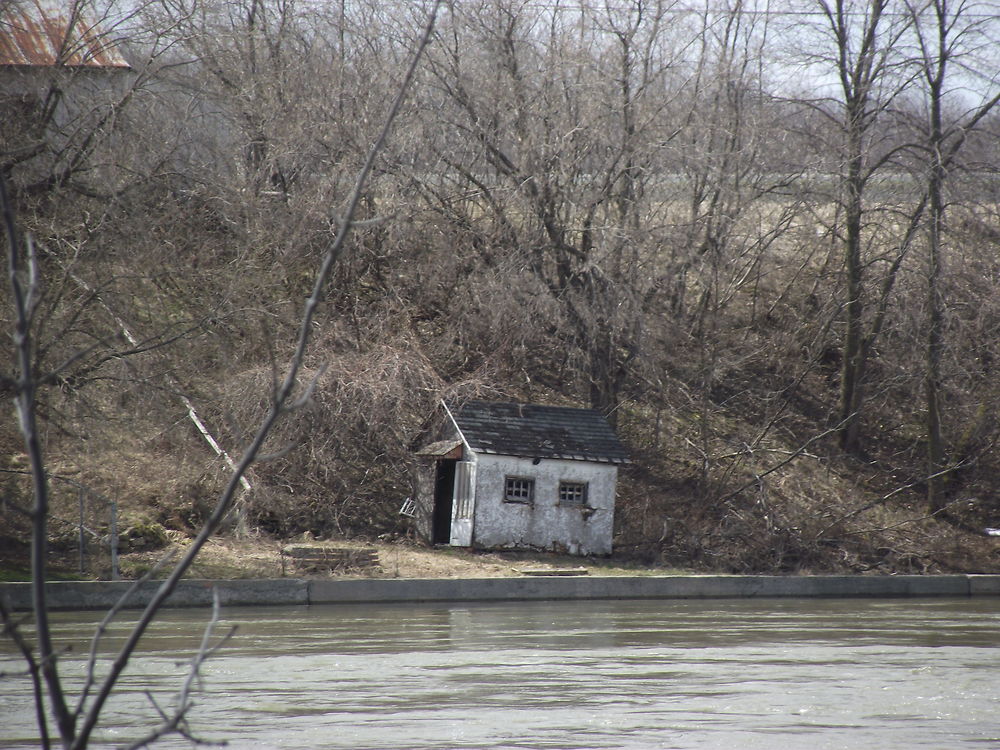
(261, 557)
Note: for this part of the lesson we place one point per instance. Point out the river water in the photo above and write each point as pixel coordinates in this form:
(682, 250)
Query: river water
(728, 674)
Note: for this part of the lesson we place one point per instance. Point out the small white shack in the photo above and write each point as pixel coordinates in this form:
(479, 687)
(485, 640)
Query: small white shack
(521, 476)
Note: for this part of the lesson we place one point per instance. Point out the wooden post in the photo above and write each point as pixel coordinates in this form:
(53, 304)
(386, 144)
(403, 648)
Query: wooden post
(114, 540)
(81, 541)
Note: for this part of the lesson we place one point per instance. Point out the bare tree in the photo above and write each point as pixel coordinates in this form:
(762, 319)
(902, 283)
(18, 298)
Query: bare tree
(737, 205)
(75, 725)
(947, 38)
(865, 43)
(560, 114)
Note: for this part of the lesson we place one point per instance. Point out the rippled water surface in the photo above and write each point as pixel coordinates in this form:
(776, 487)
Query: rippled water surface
(735, 675)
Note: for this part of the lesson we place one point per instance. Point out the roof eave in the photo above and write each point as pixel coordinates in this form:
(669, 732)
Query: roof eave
(555, 456)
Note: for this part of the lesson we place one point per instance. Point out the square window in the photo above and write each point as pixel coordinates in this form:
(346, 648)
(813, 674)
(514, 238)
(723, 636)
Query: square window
(573, 493)
(519, 490)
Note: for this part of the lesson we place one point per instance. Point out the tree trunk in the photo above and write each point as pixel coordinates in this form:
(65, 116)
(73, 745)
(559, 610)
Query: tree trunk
(854, 358)
(935, 314)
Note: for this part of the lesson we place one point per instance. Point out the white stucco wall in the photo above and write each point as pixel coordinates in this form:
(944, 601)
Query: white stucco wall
(544, 524)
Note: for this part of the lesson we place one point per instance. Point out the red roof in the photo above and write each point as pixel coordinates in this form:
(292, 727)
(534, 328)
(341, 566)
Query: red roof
(45, 32)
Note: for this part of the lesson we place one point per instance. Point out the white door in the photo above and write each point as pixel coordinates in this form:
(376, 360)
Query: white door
(464, 504)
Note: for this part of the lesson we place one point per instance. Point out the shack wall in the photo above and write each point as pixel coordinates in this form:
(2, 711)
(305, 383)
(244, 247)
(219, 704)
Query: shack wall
(544, 523)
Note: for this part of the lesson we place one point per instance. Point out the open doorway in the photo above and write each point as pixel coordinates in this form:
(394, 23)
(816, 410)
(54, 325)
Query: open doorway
(444, 500)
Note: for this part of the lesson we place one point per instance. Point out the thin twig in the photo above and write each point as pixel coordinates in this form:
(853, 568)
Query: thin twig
(800, 451)
(11, 630)
(175, 722)
(888, 496)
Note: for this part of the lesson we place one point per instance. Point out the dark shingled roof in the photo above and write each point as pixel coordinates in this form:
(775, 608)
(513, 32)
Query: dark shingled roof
(534, 431)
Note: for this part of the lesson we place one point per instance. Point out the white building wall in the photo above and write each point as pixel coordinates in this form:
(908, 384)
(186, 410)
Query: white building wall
(544, 524)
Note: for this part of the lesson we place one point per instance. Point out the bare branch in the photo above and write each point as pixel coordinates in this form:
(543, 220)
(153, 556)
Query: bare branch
(25, 405)
(91, 675)
(12, 631)
(800, 451)
(284, 393)
(175, 722)
(889, 495)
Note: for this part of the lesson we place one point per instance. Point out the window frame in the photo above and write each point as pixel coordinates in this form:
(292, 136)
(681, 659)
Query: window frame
(578, 488)
(516, 497)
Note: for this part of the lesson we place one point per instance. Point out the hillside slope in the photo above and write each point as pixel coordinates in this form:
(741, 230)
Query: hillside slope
(787, 301)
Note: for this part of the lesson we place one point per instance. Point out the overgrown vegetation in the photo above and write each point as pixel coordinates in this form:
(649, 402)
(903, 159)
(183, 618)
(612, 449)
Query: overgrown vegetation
(717, 227)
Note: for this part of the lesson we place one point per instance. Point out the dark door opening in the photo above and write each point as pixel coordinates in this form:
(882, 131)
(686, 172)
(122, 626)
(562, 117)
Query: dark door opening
(444, 499)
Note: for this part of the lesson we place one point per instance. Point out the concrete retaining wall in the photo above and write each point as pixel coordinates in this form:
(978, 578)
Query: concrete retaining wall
(194, 593)
(289, 591)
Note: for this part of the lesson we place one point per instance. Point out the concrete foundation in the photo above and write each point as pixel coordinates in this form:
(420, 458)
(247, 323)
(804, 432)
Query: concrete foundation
(289, 591)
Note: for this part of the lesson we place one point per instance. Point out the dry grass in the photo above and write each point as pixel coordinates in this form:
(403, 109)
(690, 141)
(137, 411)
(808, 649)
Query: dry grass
(229, 558)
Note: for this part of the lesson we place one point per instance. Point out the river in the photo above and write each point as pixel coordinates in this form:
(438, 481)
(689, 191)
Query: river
(727, 674)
